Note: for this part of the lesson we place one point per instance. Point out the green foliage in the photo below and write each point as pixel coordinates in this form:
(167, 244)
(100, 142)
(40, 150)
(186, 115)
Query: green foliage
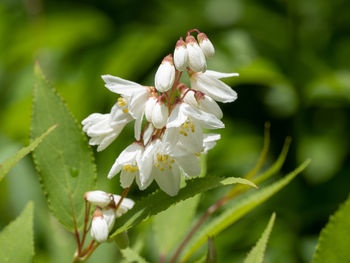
(256, 255)
(333, 245)
(238, 210)
(9, 163)
(161, 201)
(64, 160)
(17, 239)
(131, 256)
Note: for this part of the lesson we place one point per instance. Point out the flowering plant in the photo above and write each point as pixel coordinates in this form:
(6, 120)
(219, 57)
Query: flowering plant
(171, 119)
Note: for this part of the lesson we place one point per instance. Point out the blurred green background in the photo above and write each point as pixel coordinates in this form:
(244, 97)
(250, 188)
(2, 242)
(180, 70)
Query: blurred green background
(293, 60)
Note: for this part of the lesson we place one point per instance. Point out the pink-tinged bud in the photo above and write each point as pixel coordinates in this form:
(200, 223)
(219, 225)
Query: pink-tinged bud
(180, 55)
(149, 108)
(165, 74)
(160, 114)
(98, 198)
(99, 227)
(205, 44)
(196, 58)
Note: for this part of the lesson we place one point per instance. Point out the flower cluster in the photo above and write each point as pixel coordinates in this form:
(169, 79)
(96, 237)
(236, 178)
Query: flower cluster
(107, 210)
(169, 117)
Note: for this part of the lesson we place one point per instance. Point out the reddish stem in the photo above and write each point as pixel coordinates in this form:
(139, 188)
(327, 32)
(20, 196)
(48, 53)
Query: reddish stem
(193, 30)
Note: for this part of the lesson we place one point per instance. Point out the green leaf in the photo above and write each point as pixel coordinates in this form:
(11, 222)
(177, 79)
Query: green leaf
(160, 201)
(333, 244)
(131, 256)
(256, 255)
(238, 210)
(64, 160)
(10, 162)
(16, 239)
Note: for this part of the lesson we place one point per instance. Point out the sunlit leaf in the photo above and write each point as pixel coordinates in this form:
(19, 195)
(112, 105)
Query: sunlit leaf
(64, 160)
(10, 162)
(131, 256)
(256, 255)
(237, 211)
(17, 238)
(161, 201)
(333, 245)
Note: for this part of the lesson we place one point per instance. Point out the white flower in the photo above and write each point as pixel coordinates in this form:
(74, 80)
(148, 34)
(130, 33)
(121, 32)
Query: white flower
(160, 114)
(125, 205)
(138, 97)
(165, 168)
(205, 44)
(196, 58)
(99, 198)
(203, 102)
(109, 216)
(180, 55)
(210, 84)
(99, 227)
(182, 111)
(128, 163)
(165, 74)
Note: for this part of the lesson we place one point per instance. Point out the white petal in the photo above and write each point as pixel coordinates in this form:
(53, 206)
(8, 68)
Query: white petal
(168, 180)
(107, 140)
(137, 104)
(148, 133)
(149, 108)
(146, 162)
(160, 115)
(220, 75)
(209, 141)
(206, 120)
(109, 217)
(190, 98)
(177, 116)
(212, 86)
(121, 86)
(99, 229)
(190, 164)
(99, 198)
(209, 105)
(126, 178)
(137, 127)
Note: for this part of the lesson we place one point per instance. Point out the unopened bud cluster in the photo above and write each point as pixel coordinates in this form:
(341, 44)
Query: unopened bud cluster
(106, 212)
(169, 117)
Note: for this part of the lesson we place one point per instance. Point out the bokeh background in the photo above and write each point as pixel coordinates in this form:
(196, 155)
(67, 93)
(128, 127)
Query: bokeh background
(293, 60)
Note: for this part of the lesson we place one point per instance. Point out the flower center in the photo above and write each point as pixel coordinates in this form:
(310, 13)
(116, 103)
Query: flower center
(130, 168)
(122, 104)
(186, 128)
(163, 162)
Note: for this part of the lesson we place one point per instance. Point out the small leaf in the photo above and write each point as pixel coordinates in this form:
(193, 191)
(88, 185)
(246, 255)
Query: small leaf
(16, 239)
(211, 255)
(256, 255)
(238, 210)
(333, 245)
(131, 256)
(161, 201)
(64, 160)
(10, 162)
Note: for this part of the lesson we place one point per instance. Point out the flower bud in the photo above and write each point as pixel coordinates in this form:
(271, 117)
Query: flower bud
(160, 114)
(165, 74)
(99, 227)
(109, 217)
(99, 198)
(196, 58)
(149, 108)
(180, 55)
(205, 44)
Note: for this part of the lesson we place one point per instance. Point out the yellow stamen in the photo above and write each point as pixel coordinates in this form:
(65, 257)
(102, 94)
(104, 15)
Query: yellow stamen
(197, 154)
(125, 110)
